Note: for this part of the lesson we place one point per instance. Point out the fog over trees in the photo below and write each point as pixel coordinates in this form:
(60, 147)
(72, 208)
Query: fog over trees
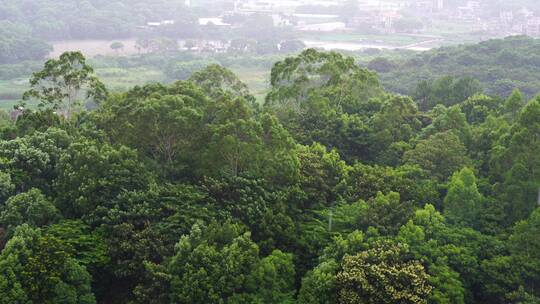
(248, 151)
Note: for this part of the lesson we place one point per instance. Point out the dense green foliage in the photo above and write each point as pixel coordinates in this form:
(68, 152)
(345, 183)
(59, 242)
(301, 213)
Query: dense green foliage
(26, 25)
(18, 44)
(61, 19)
(500, 65)
(332, 191)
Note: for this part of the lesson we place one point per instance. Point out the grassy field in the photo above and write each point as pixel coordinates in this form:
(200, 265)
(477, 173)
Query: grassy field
(92, 48)
(257, 79)
(13, 88)
(11, 91)
(118, 80)
(7, 104)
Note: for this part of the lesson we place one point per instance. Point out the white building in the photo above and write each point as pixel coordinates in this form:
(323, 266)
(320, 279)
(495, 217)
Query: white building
(475, 5)
(218, 21)
(159, 23)
(281, 20)
(532, 27)
(323, 27)
(439, 5)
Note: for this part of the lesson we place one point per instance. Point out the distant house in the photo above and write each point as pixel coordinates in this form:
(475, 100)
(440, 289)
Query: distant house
(278, 6)
(507, 17)
(322, 27)
(388, 19)
(207, 46)
(429, 6)
(475, 5)
(316, 16)
(217, 21)
(532, 27)
(525, 13)
(381, 20)
(281, 20)
(470, 11)
(439, 4)
(466, 13)
(518, 28)
(425, 6)
(365, 18)
(154, 24)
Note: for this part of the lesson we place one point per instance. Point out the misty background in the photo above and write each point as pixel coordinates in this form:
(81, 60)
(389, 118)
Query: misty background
(269, 151)
(134, 41)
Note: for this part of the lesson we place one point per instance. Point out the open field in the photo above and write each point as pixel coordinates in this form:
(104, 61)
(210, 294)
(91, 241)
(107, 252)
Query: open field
(257, 79)
(7, 104)
(11, 91)
(91, 48)
(118, 79)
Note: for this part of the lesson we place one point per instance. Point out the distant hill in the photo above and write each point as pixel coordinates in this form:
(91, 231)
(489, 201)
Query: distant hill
(499, 64)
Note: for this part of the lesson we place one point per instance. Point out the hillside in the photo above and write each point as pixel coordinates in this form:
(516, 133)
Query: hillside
(499, 64)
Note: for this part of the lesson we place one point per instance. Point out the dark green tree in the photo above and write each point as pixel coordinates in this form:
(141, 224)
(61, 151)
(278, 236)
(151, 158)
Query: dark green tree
(441, 155)
(515, 160)
(223, 264)
(31, 208)
(513, 104)
(91, 174)
(36, 268)
(31, 160)
(463, 203)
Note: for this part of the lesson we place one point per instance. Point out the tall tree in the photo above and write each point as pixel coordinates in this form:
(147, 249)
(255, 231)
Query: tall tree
(515, 162)
(30, 208)
(447, 90)
(397, 121)
(463, 202)
(513, 104)
(441, 155)
(31, 160)
(478, 107)
(216, 80)
(338, 78)
(92, 174)
(60, 84)
(449, 119)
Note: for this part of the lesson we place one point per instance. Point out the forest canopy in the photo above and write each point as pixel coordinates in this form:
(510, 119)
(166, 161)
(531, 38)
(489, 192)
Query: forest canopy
(332, 191)
(500, 65)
